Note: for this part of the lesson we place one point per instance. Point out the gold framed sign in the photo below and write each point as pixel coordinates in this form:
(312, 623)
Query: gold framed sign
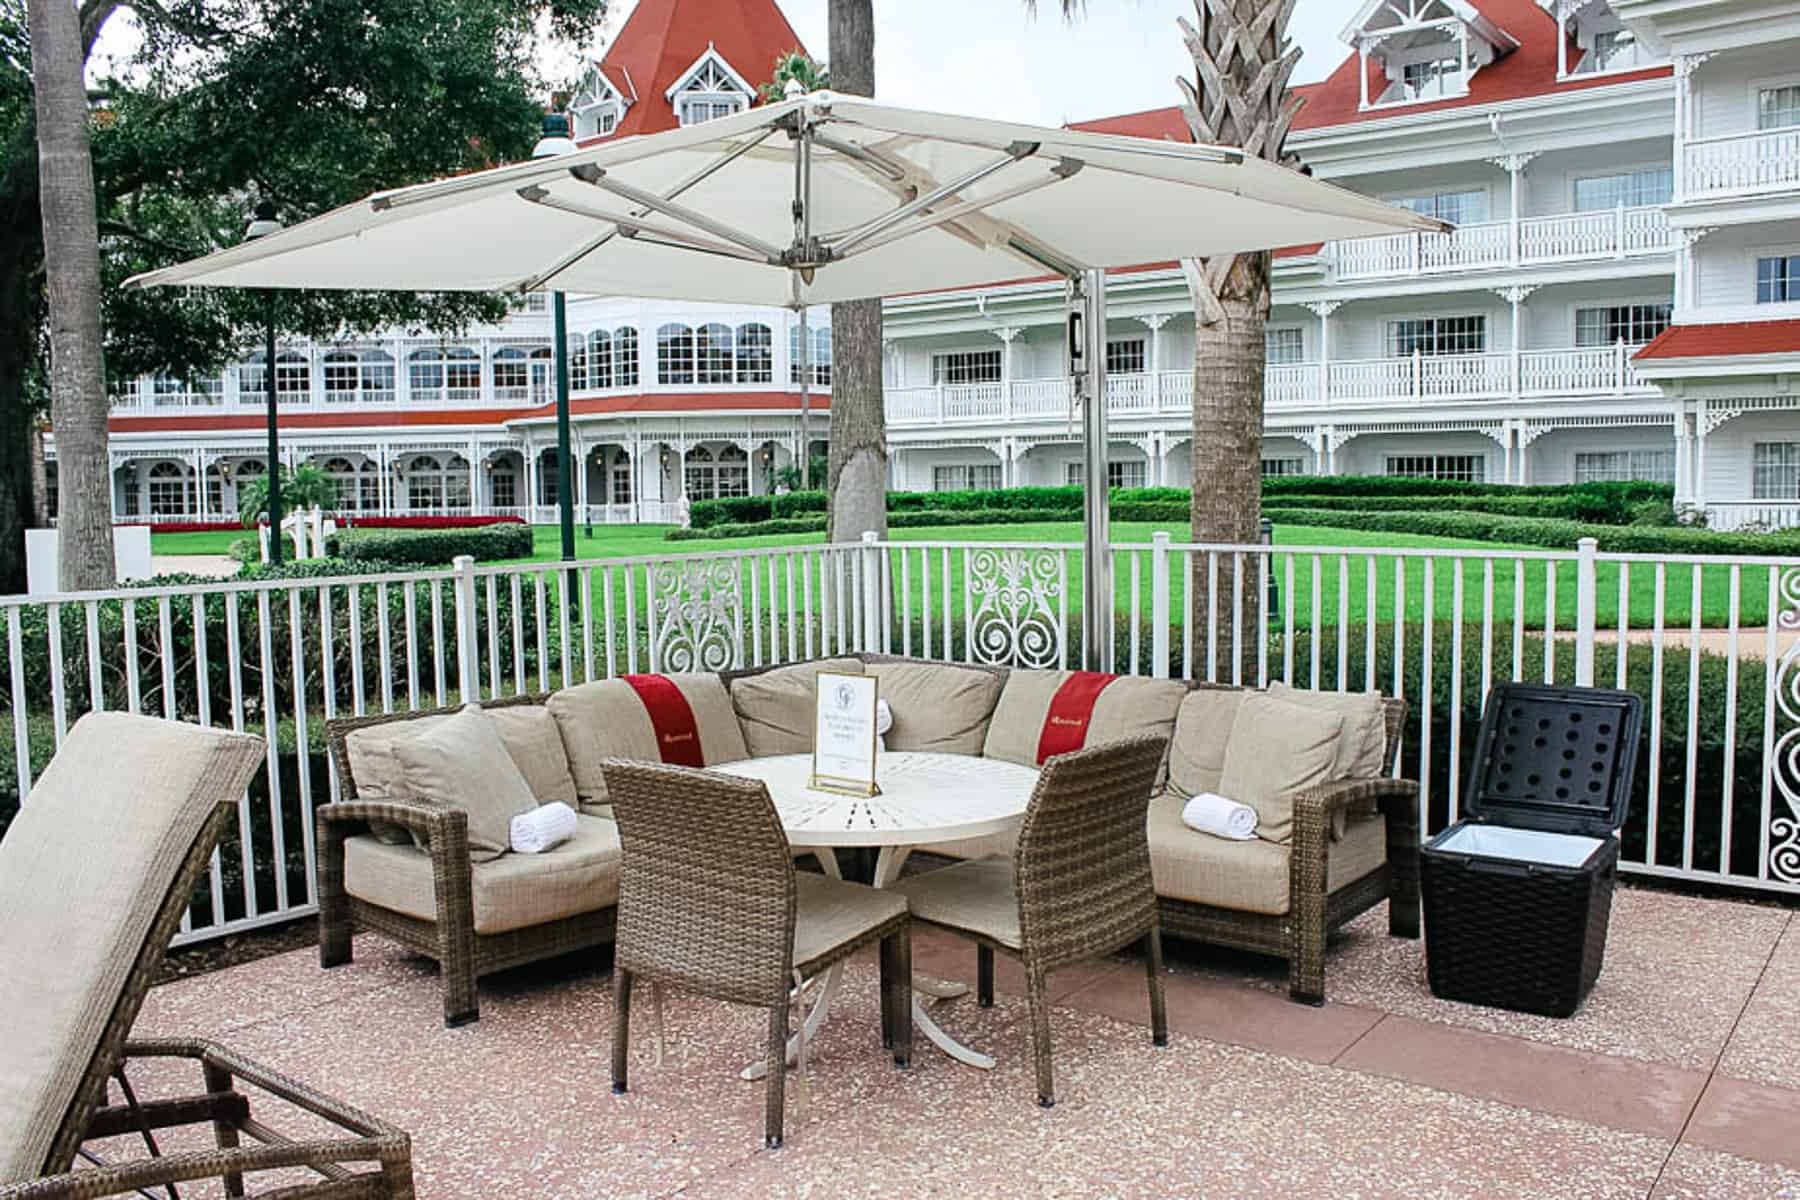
(844, 735)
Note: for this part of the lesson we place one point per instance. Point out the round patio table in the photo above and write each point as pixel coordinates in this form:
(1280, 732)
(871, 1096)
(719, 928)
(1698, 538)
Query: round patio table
(925, 799)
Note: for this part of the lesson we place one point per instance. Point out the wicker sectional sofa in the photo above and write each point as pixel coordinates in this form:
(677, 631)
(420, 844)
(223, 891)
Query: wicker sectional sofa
(400, 864)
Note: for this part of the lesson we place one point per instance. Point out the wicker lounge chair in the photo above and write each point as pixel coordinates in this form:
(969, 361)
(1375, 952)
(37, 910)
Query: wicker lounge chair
(1077, 885)
(709, 901)
(95, 875)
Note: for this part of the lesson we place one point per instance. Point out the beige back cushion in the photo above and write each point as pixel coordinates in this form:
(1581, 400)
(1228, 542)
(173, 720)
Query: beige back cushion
(775, 708)
(1128, 706)
(1276, 749)
(1365, 727)
(462, 763)
(606, 719)
(528, 732)
(84, 868)
(1202, 732)
(937, 707)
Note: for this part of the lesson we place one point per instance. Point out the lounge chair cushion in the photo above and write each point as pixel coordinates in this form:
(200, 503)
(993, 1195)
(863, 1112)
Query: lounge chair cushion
(1129, 706)
(775, 708)
(607, 719)
(84, 870)
(1252, 876)
(1277, 749)
(462, 763)
(529, 733)
(938, 707)
(1202, 733)
(1363, 747)
(975, 896)
(829, 912)
(514, 892)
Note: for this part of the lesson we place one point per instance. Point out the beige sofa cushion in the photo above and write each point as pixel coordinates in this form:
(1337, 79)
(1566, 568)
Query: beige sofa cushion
(1276, 749)
(462, 763)
(775, 708)
(606, 719)
(1202, 733)
(514, 892)
(528, 732)
(378, 773)
(1363, 748)
(937, 707)
(1251, 876)
(1126, 707)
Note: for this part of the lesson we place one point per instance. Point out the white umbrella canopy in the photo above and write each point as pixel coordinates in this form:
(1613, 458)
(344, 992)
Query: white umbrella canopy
(816, 199)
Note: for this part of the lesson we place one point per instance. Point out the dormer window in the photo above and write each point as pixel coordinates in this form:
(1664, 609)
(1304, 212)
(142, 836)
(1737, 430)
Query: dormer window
(597, 106)
(1596, 40)
(709, 89)
(1427, 49)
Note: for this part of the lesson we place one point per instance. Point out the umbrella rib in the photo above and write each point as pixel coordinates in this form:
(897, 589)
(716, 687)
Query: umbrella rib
(597, 177)
(847, 242)
(631, 226)
(1064, 170)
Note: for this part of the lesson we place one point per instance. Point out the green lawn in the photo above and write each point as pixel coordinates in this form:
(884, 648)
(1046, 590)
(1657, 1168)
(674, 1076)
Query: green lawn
(1342, 551)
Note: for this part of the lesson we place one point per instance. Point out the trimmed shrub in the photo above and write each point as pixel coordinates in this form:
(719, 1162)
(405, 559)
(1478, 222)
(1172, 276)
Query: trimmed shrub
(1548, 534)
(436, 547)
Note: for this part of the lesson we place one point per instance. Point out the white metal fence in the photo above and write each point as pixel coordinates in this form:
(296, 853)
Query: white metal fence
(1712, 644)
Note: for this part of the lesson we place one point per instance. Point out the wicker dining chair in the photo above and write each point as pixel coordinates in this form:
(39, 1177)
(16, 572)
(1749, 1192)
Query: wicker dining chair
(96, 873)
(1077, 885)
(709, 902)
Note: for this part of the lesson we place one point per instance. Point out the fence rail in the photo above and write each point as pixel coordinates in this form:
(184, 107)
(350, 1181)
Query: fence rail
(1712, 644)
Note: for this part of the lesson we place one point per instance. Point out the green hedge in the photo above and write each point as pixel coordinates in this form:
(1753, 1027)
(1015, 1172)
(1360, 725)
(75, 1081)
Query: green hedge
(1621, 494)
(1546, 533)
(1567, 507)
(436, 547)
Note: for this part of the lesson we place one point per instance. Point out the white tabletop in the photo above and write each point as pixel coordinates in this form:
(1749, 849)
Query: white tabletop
(925, 798)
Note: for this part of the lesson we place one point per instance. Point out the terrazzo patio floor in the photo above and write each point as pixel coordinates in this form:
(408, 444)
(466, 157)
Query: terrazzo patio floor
(1679, 1079)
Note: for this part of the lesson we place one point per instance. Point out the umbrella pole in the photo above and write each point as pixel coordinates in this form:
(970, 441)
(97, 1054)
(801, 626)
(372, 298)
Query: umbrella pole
(565, 474)
(1087, 370)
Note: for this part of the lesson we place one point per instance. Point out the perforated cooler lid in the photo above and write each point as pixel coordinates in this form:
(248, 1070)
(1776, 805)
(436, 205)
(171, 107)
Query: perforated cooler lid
(1555, 758)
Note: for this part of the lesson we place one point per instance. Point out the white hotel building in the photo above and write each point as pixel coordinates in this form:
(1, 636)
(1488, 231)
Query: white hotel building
(1621, 300)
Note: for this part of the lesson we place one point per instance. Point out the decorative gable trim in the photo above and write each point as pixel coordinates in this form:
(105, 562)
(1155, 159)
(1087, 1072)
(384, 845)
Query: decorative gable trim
(723, 69)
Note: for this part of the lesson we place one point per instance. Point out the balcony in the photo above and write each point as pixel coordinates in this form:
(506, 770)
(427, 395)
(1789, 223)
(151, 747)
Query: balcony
(1745, 164)
(1568, 371)
(1533, 241)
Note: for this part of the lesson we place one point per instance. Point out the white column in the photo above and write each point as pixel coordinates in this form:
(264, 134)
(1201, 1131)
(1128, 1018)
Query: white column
(1462, 53)
(1006, 334)
(1524, 454)
(199, 483)
(1562, 41)
(1323, 310)
(1700, 432)
(475, 498)
(1362, 71)
(1507, 433)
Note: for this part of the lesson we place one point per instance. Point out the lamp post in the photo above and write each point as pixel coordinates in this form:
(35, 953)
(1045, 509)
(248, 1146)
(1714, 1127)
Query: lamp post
(263, 223)
(555, 141)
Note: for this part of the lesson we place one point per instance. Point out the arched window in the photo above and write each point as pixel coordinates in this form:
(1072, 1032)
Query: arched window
(820, 360)
(700, 474)
(600, 359)
(171, 492)
(293, 379)
(345, 477)
(462, 373)
(714, 353)
(674, 354)
(512, 377)
(425, 374)
(343, 376)
(625, 357)
(733, 472)
(252, 378)
(456, 482)
(543, 375)
(424, 482)
(619, 465)
(755, 354)
(503, 482)
(578, 363)
(377, 376)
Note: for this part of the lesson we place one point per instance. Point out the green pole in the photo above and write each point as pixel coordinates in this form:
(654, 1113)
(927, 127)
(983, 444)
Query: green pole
(565, 470)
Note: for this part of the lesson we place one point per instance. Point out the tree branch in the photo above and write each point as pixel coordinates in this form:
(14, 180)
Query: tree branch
(93, 18)
(122, 229)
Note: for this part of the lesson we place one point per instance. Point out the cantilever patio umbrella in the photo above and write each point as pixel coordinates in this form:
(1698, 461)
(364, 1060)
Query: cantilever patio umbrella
(816, 199)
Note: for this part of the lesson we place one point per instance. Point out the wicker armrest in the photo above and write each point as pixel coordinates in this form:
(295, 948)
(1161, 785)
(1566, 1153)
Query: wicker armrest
(1370, 795)
(426, 820)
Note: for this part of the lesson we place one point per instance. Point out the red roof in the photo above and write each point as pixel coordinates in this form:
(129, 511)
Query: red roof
(663, 38)
(1529, 70)
(1729, 340)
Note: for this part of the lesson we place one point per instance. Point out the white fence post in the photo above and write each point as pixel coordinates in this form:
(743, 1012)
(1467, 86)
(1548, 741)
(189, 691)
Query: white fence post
(871, 592)
(468, 653)
(1159, 604)
(1586, 610)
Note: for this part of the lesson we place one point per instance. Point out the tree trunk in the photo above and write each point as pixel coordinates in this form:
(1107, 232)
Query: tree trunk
(22, 300)
(857, 474)
(1238, 98)
(72, 284)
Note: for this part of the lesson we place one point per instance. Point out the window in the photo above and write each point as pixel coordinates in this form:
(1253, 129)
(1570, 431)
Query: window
(425, 375)
(512, 376)
(1125, 357)
(1616, 50)
(342, 377)
(600, 359)
(755, 354)
(1118, 474)
(700, 474)
(293, 379)
(968, 366)
(674, 354)
(1459, 208)
(1633, 324)
(1437, 335)
(1466, 468)
(170, 494)
(715, 354)
(1626, 189)
(819, 359)
(1778, 107)
(965, 478)
(625, 357)
(710, 92)
(1775, 471)
(51, 496)
(1272, 467)
(1778, 279)
(128, 486)
(425, 483)
(1613, 466)
(444, 373)
(253, 380)
(1287, 345)
(215, 488)
(548, 477)
(343, 475)
(733, 472)
(503, 485)
(1428, 80)
(621, 479)
(462, 373)
(377, 376)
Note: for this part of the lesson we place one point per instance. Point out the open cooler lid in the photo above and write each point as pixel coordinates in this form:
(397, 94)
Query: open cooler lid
(1560, 759)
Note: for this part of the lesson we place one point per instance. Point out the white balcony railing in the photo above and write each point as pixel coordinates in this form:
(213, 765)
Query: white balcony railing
(1742, 164)
(1568, 237)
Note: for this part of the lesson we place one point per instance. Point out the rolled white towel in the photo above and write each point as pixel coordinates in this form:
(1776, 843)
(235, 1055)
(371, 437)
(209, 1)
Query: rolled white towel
(1214, 814)
(543, 828)
(884, 721)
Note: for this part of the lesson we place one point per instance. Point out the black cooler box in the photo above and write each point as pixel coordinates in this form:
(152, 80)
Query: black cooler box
(1517, 895)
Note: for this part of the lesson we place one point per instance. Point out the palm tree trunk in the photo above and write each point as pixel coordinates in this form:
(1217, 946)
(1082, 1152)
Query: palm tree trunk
(857, 474)
(1238, 98)
(72, 278)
